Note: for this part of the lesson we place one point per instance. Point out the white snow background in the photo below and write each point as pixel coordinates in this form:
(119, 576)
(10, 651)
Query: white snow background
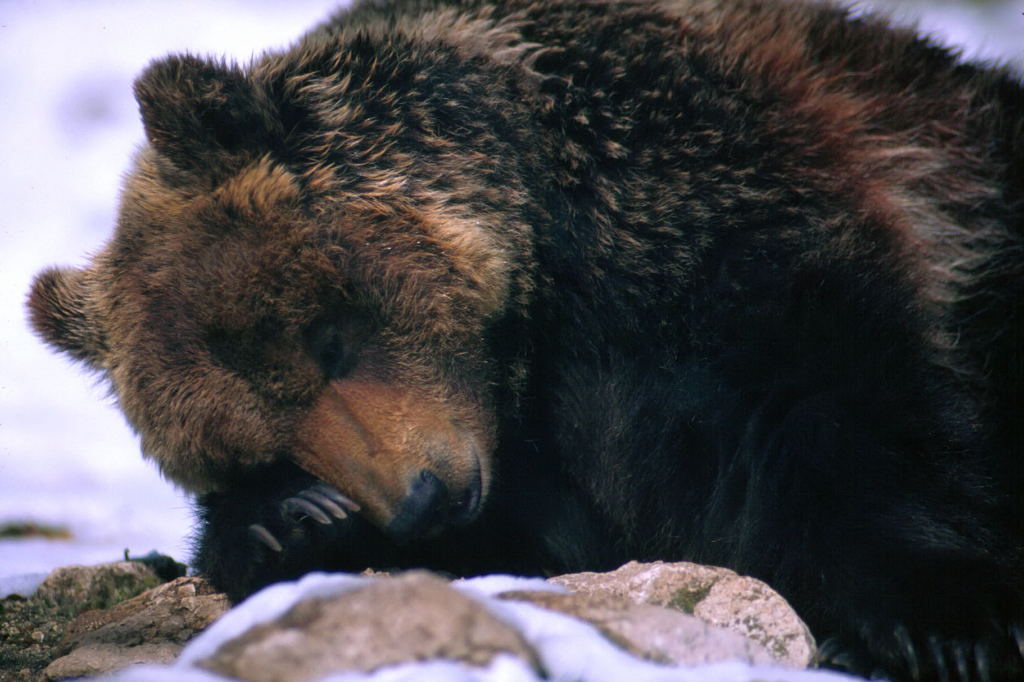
(68, 126)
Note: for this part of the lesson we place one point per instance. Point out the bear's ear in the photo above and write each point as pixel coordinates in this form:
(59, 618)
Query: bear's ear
(59, 312)
(196, 111)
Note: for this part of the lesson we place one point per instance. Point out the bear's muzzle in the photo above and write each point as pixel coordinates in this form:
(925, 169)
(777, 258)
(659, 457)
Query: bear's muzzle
(395, 452)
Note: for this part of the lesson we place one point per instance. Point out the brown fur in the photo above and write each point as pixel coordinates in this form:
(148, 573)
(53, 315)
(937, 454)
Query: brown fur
(739, 281)
(386, 433)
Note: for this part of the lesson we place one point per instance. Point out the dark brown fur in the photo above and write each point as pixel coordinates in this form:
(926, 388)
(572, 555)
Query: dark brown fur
(547, 286)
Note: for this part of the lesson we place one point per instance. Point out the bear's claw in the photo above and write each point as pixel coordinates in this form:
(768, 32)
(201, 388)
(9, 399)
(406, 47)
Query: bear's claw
(296, 509)
(265, 536)
(325, 503)
(332, 493)
(906, 645)
(319, 502)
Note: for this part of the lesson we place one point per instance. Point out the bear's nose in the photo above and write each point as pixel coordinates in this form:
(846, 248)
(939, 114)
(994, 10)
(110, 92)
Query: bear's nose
(429, 506)
(423, 509)
(464, 509)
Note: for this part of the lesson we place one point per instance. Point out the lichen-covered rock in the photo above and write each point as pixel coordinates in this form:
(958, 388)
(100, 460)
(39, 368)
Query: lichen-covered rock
(149, 628)
(668, 614)
(37, 629)
(715, 595)
(96, 587)
(412, 617)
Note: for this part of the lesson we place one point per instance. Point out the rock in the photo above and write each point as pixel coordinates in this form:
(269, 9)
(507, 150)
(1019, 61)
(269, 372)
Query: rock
(149, 628)
(715, 595)
(674, 614)
(415, 616)
(657, 634)
(99, 659)
(32, 630)
(96, 587)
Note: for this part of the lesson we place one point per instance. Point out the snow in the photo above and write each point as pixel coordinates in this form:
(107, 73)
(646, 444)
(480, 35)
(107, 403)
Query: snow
(569, 650)
(23, 584)
(984, 31)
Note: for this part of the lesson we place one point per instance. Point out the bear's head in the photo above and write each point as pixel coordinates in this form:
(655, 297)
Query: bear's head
(266, 298)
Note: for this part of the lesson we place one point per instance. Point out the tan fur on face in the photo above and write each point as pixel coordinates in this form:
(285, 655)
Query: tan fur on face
(144, 307)
(187, 265)
(259, 190)
(369, 439)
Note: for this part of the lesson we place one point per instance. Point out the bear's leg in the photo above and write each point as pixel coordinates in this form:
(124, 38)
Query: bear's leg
(942, 614)
(897, 560)
(277, 525)
(281, 523)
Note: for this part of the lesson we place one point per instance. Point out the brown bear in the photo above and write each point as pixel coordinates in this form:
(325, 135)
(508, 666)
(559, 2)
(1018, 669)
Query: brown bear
(546, 285)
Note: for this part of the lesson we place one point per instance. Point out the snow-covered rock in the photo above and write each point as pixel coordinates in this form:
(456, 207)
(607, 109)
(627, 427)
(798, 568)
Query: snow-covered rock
(416, 626)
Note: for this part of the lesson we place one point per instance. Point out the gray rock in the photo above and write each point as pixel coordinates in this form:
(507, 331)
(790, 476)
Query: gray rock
(715, 595)
(32, 630)
(149, 628)
(415, 616)
(99, 659)
(654, 633)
